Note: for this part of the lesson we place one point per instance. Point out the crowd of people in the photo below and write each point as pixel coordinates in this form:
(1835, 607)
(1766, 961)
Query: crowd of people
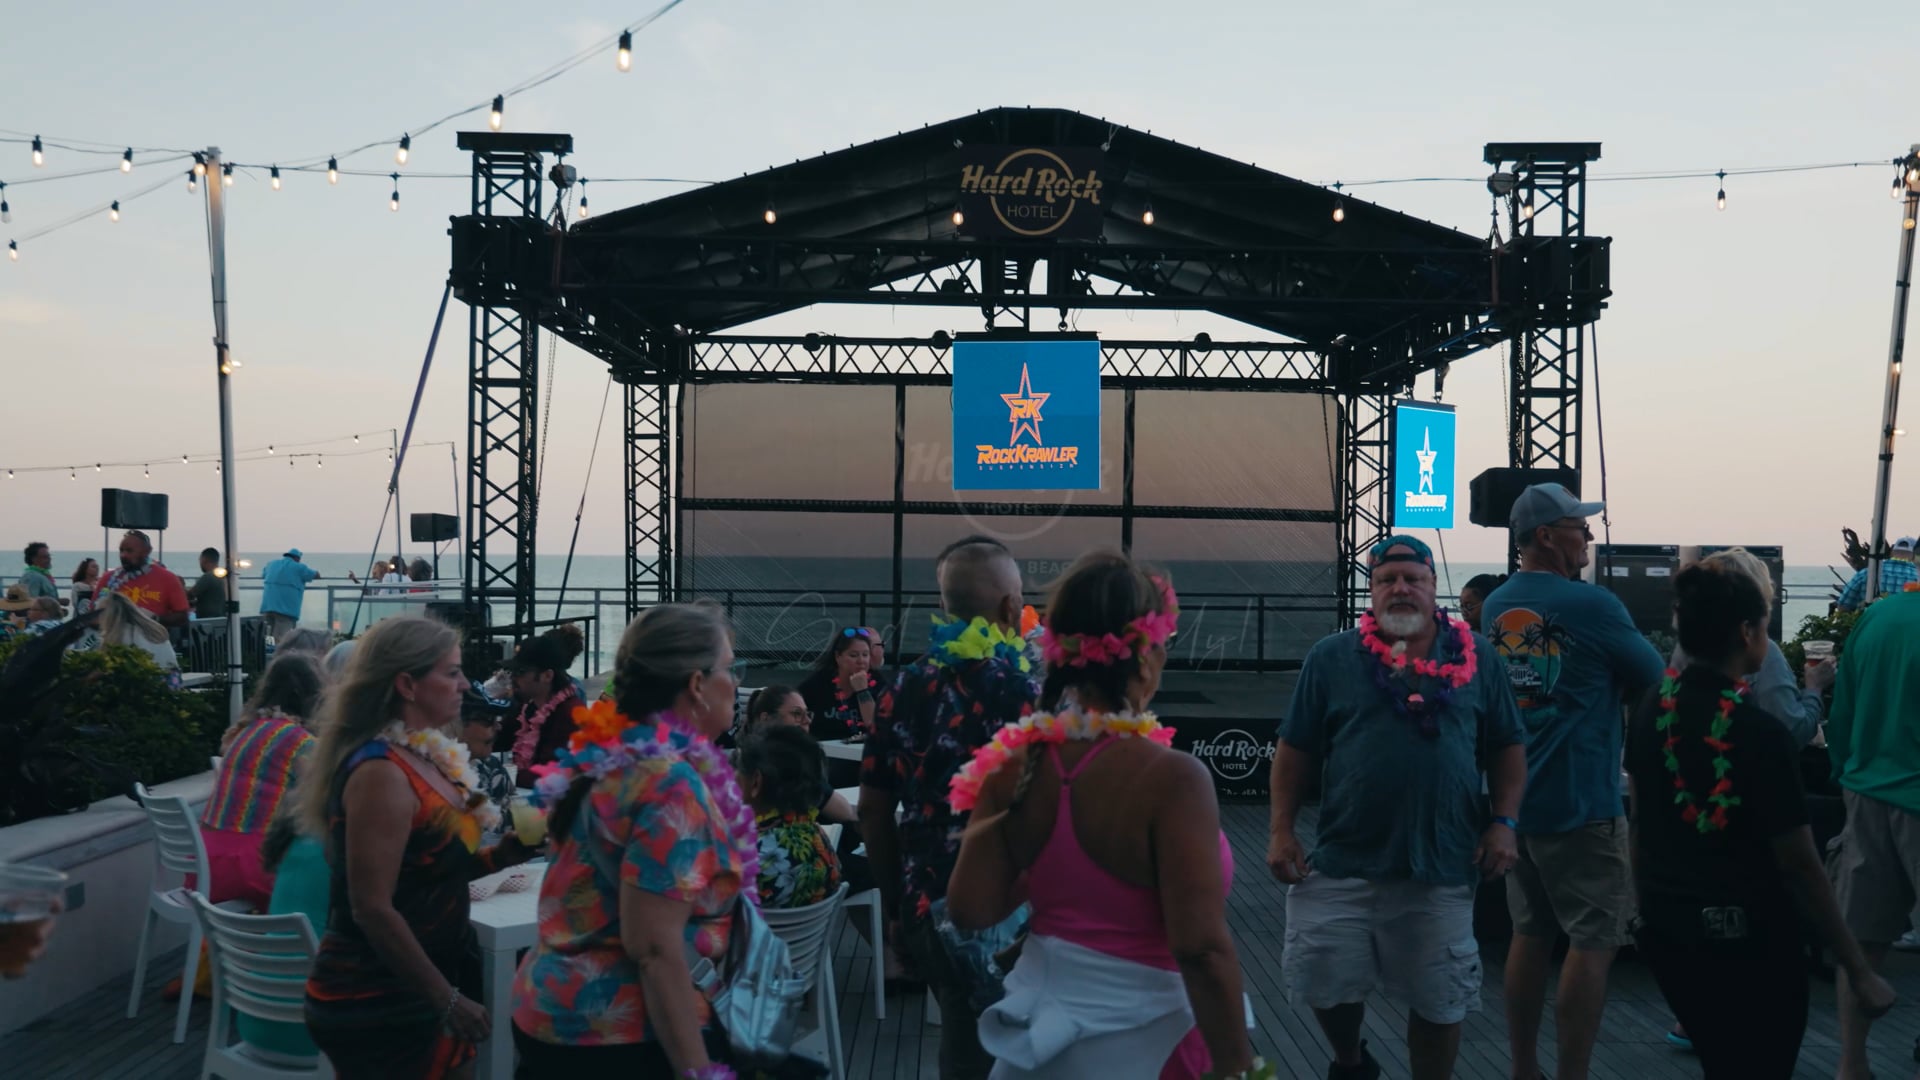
(1049, 866)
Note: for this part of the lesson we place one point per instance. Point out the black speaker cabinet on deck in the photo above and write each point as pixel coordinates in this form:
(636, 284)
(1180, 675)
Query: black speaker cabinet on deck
(1641, 575)
(122, 509)
(434, 528)
(1491, 494)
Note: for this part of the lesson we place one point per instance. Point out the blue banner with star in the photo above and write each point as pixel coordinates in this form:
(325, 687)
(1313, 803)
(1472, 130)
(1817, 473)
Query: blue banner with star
(1423, 465)
(1026, 415)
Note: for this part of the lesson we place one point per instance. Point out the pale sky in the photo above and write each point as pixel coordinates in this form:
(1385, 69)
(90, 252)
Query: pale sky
(1741, 361)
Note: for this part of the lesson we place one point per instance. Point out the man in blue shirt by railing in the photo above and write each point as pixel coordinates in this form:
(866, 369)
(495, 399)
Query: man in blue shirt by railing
(283, 585)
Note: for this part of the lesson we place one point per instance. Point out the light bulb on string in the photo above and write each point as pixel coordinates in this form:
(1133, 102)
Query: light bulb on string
(623, 59)
(319, 462)
(226, 174)
(393, 200)
(769, 215)
(1146, 216)
(6, 212)
(39, 153)
(1720, 197)
(583, 198)
(183, 459)
(406, 146)
(113, 212)
(1339, 211)
(959, 218)
(96, 467)
(71, 475)
(199, 164)
(333, 170)
(13, 250)
(1526, 207)
(193, 185)
(356, 440)
(146, 471)
(498, 114)
(273, 177)
(126, 161)
(269, 450)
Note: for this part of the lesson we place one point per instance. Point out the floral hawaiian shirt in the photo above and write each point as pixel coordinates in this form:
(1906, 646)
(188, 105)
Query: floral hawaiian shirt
(927, 725)
(652, 826)
(797, 866)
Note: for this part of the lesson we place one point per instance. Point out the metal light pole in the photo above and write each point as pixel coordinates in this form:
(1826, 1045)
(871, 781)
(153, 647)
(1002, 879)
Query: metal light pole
(393, 454)
(223, 367)
(1906, 184)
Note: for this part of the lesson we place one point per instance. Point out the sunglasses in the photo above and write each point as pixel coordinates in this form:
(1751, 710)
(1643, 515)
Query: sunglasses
(857, 632)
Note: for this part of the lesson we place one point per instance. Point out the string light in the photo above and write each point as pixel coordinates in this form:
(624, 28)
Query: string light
(1339, 211)
(74, 476)
(274, 177)
(193, 185)
(39, 154)
(13, 250)
(226, 175)
(113, 212)
(959, 218)
(497, 115)
(1720, 198)
(96, 466)
(406, 145)
(144, 471)
(183, 459)
(6, 212)
(356, 440)
(393, 200)
(624, 58)
(769, 215)
(126, 161)
(1526, 206)
(333, 170)
(1146, 216)
(583, 198)
(199, 164)
(269, 450)
(319, 462)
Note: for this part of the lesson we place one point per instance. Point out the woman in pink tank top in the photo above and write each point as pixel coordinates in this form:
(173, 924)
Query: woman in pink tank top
(1085, 812)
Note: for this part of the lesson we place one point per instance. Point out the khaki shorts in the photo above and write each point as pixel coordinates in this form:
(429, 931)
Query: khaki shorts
(1878, 868)
(1347, 938)
(1580, 882)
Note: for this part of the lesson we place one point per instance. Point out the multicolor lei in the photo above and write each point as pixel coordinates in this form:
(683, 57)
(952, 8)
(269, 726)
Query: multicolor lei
(1042, 728)
(1143, 633)
(125, 577)
(1392, 659)
(1721, 795)
(450, 757)
(527, 739)
(955, 642)
(605, 741)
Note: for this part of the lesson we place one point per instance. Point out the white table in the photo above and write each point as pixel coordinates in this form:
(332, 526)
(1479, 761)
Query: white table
(194, 680)
(843, 750)
(505, 923)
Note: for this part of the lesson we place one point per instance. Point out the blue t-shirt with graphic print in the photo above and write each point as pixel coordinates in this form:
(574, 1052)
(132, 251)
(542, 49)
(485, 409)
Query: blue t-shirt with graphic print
(1572, 656)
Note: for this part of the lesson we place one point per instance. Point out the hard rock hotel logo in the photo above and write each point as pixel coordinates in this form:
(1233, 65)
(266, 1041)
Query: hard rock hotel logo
(1031, 192)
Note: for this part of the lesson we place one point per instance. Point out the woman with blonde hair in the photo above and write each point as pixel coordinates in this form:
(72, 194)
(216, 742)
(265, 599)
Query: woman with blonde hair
(1087, 812)
(653, 845)
(398, 803)
(123, 623)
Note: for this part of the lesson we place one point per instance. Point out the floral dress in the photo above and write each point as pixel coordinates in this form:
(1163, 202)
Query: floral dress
(361, 1013)
(797, 867)
(654, 827)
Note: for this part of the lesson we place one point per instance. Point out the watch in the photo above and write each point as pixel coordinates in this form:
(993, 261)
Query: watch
(1508, 822)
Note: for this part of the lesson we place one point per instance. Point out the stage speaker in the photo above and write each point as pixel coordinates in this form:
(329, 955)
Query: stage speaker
(459, 614)
(1491, 494)
(122, 509)
(1641, 575)
(434, 528)
(1772, 555)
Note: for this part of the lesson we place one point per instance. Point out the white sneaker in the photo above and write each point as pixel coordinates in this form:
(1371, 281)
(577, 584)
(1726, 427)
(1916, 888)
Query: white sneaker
(1908, 942)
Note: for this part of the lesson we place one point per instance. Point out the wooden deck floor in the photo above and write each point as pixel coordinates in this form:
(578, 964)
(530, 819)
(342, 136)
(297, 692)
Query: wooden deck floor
(89, 1039)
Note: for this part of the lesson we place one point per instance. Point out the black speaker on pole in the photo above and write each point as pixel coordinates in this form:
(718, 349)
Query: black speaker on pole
(1491, 494)
(122, 509)
(434, 528)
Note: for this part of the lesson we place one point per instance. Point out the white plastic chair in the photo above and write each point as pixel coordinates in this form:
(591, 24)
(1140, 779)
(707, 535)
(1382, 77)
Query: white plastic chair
(870, 899)
(260, 965)
(177, 849)
(808, 932)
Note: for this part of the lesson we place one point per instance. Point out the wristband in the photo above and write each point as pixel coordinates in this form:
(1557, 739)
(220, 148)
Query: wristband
(446, 1018)
(1508, 822)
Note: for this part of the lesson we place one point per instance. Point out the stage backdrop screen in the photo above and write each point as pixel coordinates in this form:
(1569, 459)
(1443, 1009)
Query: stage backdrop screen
(1026, 415)
(1423, 465)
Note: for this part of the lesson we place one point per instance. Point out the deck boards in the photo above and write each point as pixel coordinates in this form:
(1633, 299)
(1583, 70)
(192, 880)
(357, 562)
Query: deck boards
(90, 1038)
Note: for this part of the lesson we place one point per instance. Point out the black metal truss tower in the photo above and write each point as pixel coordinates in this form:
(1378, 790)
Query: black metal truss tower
(1363, 499)
(648, 493)
(503, 374)
(1546, 370)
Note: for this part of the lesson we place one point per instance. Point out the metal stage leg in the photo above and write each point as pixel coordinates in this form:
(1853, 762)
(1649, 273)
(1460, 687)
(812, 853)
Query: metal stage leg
(649, 471)
(1365, 451)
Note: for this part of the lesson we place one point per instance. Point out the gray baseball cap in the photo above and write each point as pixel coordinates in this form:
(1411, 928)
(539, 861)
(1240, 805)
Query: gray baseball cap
(1544, 504)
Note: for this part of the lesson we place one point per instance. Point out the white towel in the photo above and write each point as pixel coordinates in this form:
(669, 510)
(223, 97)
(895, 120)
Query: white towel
(1070, 1011)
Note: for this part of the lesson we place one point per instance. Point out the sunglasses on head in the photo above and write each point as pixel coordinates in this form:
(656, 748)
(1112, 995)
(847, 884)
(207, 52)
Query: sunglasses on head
(857, 631)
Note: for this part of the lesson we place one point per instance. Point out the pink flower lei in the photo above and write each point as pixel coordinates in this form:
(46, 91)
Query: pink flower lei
(1143, 633)
(527, 739)
(1039, 729)
(1394, 657)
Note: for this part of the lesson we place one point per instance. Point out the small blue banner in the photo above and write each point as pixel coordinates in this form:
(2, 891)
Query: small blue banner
(1026, 415)
(1423, 465)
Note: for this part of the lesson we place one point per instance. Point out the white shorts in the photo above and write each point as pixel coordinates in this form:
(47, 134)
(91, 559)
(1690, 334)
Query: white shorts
(1347, 937)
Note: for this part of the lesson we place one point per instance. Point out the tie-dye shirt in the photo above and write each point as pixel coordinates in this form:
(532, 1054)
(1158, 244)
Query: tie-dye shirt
(651, 826)
(256, 774)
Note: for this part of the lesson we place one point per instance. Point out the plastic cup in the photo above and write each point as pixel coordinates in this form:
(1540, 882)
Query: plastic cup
(30, 896)
(529, 824)
(1818, 651)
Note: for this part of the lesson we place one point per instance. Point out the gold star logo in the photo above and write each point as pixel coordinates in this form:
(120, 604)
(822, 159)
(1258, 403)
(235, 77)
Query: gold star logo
(1023, 410)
